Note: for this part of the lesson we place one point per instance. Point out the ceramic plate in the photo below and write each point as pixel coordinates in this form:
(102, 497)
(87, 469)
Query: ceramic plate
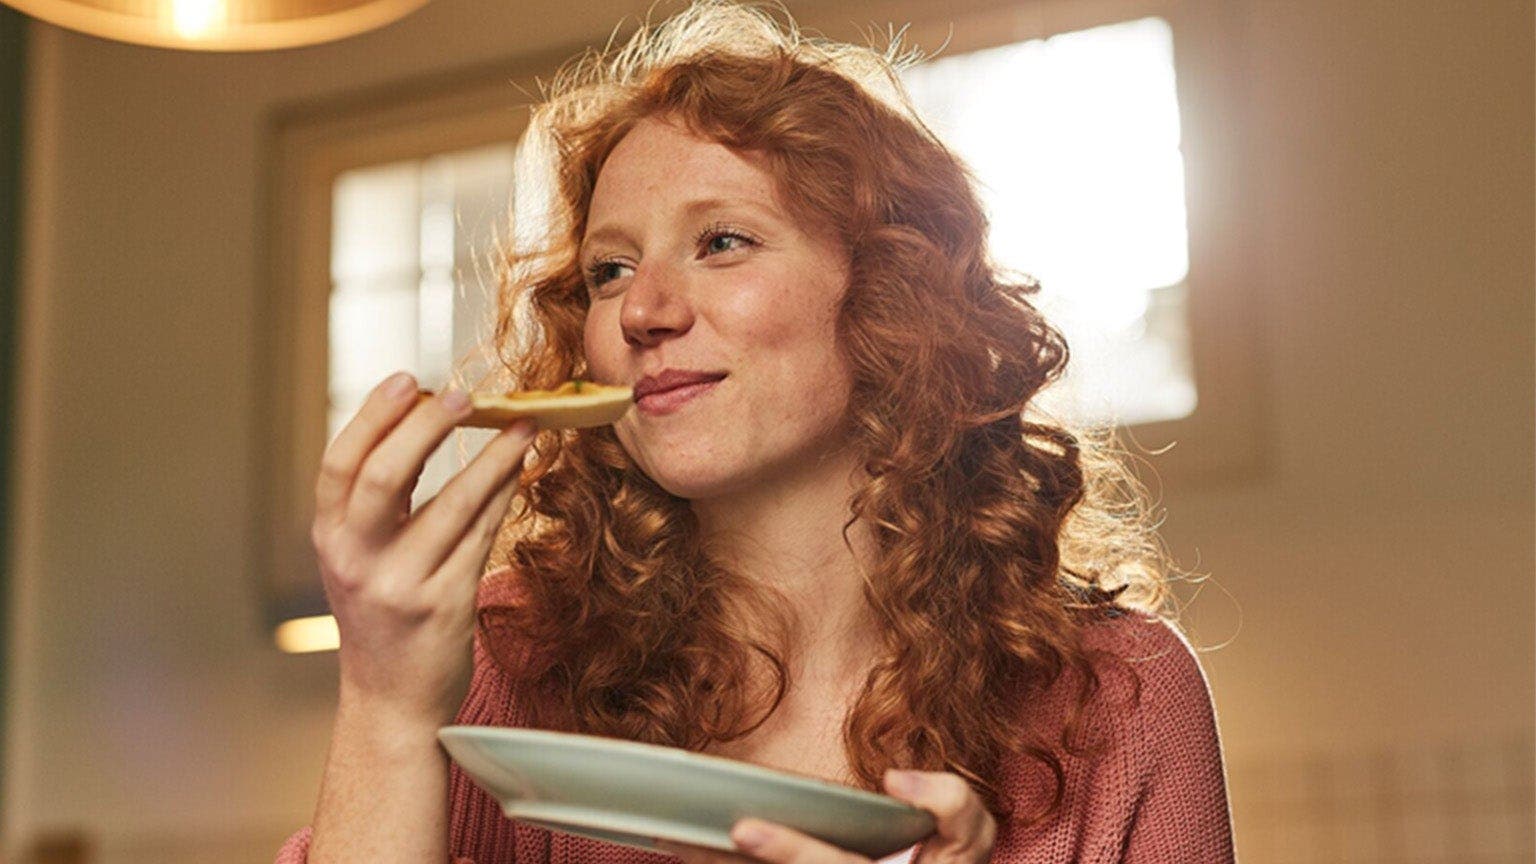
(632, 793)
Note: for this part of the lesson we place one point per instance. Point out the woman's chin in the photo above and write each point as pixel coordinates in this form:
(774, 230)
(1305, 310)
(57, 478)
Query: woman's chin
(687, 467)
(695, 486)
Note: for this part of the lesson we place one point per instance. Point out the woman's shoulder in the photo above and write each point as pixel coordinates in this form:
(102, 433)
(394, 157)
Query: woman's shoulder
(500, 587)
(1152, 644)
(1168, 681)
(502, 592)
(1147, 686)
(1139, 762)
(1152, 704)
(1147, 711)
(496, 696)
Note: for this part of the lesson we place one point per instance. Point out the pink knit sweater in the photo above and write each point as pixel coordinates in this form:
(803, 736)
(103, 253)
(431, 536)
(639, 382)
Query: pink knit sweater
(1155, 793)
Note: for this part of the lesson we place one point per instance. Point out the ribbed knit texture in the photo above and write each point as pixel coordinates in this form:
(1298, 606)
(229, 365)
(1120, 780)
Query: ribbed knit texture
(1155, 792)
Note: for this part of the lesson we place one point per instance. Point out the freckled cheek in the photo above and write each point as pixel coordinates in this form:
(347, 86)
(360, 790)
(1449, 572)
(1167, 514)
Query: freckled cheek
(601, 341)
(765, 318)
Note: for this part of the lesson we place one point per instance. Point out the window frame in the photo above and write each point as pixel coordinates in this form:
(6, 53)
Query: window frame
(307, 147)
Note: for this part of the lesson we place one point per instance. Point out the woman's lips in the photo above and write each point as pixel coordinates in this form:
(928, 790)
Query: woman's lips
(667, 401)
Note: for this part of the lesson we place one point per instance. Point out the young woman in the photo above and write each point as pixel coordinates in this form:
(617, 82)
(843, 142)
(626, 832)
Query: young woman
(832, 536)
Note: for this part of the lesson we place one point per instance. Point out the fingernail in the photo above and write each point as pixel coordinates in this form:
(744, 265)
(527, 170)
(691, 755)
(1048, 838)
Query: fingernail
(399, 384)
(455, 400)
(749, 835)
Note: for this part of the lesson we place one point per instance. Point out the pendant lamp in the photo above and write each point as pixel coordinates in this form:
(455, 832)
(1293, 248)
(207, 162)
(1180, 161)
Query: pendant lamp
(219, 25)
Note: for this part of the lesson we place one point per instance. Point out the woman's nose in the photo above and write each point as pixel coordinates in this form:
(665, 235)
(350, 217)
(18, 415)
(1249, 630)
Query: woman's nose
(655, 308)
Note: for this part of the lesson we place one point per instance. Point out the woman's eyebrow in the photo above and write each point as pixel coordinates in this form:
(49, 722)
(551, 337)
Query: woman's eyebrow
(604, 233)
(700, 206)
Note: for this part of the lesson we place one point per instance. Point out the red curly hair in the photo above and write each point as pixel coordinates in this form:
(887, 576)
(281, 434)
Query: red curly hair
(998, 533)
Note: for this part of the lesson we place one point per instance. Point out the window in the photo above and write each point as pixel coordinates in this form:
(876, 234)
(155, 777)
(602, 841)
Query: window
(1074, 141)
(412, 282)
(380, 221)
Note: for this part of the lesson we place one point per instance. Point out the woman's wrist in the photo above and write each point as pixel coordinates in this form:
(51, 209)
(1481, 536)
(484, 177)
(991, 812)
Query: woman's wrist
(409, 727)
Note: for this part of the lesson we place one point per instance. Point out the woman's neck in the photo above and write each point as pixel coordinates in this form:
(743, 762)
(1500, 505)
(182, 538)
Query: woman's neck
(789, 534)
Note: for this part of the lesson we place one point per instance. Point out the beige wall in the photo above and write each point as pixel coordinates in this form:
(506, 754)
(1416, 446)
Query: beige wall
(1380, 564)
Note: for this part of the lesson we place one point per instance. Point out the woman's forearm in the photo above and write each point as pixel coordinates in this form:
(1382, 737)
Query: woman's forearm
(384, 795)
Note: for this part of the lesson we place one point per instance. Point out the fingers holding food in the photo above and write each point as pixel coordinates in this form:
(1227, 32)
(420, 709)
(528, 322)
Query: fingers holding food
(380, 503)
(391, 400)
(455, 529)
(401, 584)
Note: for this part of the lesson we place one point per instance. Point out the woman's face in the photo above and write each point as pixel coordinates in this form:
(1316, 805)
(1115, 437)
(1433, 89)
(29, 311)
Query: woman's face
(710, 299)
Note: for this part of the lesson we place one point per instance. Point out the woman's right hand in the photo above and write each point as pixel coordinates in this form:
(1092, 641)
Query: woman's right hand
(401, 585)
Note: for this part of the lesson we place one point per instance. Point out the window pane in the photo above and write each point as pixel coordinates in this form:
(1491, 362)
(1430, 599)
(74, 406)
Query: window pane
(1075, 143)
(373, 330)
(411, 278)
(375, 222)
(478, 182)
(466, 197)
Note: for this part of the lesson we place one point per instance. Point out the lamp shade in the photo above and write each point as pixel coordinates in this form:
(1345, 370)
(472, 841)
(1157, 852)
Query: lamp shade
(219, 25)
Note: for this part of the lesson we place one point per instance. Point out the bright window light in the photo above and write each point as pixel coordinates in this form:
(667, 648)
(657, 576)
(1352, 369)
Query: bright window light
(410, 280)
(1075, 143)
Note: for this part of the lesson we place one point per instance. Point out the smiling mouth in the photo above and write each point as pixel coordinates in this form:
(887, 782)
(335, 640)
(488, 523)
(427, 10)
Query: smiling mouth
(658, 396)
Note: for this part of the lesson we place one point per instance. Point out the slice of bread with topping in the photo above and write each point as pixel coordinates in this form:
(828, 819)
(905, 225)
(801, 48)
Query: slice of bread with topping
(572, 405)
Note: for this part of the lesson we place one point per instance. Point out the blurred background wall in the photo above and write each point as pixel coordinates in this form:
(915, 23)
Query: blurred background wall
(1372, 582)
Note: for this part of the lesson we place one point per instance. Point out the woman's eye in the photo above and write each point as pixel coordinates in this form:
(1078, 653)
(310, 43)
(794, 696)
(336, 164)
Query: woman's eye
(601, 272)
(724, 242)
(716, 241)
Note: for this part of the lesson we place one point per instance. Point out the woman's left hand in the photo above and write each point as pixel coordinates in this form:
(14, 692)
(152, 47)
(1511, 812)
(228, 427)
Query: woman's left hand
(965, 830)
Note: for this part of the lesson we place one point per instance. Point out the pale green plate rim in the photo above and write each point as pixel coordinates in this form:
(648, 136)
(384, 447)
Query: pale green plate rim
(602, 815)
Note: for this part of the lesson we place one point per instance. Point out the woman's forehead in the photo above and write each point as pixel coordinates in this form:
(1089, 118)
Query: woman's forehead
(660, 165)
(666, 152)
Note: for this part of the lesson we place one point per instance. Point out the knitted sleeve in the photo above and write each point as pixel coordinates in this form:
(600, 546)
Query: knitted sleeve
(1144, 780)
(1179, 809)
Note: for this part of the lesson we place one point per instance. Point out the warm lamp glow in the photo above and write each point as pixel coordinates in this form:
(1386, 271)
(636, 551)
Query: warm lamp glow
(219, 25)
(305, 635)
(196, 19)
